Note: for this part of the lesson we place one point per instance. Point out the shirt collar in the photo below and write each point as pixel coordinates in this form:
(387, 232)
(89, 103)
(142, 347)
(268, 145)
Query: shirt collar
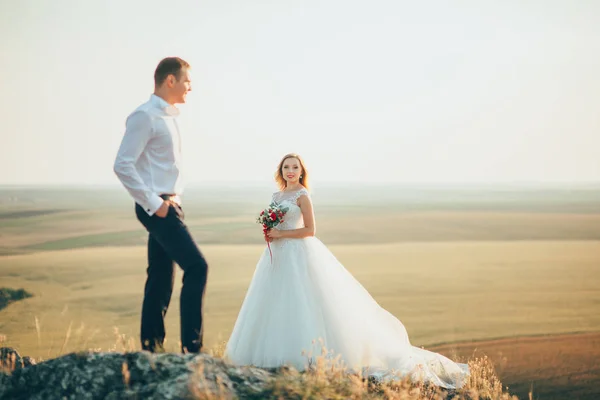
(162, 104)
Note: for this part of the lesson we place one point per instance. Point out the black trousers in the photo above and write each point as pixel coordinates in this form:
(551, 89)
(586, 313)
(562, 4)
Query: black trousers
(170, 242)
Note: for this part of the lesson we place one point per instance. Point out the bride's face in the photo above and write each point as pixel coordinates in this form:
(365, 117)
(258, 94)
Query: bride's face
(291, 171)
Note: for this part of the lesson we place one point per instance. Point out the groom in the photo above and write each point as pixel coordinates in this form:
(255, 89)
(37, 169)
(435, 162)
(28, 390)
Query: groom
(148, 165)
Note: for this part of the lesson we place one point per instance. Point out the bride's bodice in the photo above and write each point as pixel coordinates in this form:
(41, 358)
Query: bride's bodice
(293, 217)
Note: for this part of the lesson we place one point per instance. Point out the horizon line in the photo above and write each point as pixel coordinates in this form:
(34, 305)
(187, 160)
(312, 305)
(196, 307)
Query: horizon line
(321, 184)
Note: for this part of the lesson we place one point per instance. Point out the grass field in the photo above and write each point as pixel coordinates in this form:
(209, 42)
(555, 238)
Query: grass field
(550, 366)
(453, 265)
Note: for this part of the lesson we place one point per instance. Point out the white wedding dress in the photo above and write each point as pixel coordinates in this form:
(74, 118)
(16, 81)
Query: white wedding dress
(306, 294)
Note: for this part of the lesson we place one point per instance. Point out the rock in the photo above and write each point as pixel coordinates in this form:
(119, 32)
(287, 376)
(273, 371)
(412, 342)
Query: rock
(165, 376)
(11, 360)
(139, 375)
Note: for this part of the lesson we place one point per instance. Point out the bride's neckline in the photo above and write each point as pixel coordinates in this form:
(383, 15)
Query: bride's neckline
(292, 191)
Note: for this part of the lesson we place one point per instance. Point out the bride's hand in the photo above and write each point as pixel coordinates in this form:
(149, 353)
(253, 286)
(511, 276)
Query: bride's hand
(274, 234)
(267, 239)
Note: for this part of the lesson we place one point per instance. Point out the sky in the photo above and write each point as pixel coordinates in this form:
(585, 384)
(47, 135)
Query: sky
(366, 91)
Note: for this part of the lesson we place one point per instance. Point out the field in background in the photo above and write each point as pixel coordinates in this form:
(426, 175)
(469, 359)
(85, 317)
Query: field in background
(455, 265)
(51, 219)
(443, 292)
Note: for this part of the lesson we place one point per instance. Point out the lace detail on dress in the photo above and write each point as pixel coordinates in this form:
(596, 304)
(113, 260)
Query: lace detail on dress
(283, 196)
(293, 218)
(299, 193)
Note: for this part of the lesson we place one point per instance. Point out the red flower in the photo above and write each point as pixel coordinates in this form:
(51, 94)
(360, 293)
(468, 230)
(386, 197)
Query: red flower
(273, 216)
(262, 213)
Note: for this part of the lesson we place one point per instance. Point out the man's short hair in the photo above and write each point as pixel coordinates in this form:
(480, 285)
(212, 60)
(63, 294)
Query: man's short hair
(169, 66)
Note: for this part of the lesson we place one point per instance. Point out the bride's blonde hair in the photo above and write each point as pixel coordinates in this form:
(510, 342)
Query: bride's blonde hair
(279, 174)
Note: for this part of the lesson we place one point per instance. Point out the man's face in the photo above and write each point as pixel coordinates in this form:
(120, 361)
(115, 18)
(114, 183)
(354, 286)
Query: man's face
(182, 86)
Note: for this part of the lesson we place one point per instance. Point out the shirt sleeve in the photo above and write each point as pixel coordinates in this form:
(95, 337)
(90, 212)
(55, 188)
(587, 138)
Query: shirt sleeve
(138, 132)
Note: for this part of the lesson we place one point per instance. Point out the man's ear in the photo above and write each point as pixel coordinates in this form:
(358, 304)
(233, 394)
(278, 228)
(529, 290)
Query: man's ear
(171, 80)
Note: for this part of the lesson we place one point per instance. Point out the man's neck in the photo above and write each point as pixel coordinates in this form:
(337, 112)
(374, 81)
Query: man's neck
(158, 93)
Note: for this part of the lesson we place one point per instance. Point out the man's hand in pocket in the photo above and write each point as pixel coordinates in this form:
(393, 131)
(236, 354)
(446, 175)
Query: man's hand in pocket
(163, 209)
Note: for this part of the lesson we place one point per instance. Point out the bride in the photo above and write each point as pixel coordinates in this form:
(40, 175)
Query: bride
(303, 293)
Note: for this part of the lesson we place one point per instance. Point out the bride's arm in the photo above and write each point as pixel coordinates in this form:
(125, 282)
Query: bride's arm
(309, 223)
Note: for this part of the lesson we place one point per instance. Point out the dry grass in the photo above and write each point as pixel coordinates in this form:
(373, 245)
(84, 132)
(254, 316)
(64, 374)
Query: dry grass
(544, 367)
(554, 366)
(328, 378)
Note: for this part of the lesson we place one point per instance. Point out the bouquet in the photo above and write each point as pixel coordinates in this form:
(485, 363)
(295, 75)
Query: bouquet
(269, 218)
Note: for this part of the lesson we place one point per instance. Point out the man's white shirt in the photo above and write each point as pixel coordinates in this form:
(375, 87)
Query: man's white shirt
(148, 162)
